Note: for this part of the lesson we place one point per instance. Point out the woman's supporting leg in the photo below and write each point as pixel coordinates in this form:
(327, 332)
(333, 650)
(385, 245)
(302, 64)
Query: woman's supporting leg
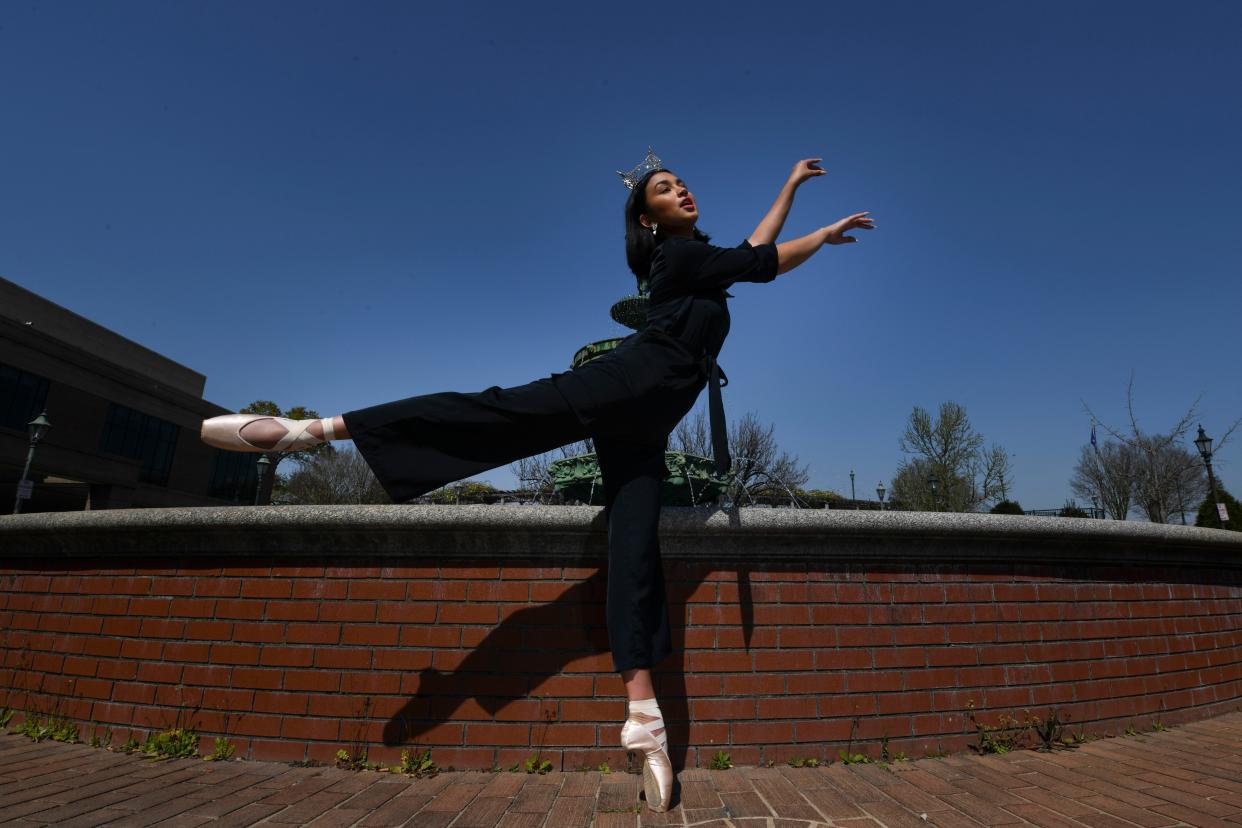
(637, 609)
(638, 626)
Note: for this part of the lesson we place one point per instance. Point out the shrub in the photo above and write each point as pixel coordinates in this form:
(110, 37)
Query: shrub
(1070, 509)
(1007, 507)
(1207, 512)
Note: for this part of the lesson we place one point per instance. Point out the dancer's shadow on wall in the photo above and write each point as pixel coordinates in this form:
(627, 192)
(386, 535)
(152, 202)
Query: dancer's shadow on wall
(537, 643)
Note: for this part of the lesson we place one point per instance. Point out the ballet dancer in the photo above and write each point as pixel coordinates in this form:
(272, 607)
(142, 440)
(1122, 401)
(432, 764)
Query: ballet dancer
(628, 401)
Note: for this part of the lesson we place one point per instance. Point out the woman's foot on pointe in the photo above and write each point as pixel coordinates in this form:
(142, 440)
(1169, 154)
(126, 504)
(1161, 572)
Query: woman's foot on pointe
(644, 730)
(258, 432)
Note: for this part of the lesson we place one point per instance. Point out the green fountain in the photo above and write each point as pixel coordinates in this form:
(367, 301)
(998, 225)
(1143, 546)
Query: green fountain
(692, 480)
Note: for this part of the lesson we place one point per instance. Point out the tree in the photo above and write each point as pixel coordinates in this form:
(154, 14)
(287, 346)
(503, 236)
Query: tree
(1171, 479)
(949, 449)
(1167, 478)
(533, 473)
(1106, 476)
(298, 412)
(1007, 507)
(760, 466)
(339, 476)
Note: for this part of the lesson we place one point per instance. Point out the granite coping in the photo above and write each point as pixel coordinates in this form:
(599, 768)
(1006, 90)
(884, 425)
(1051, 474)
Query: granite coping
(526, 532)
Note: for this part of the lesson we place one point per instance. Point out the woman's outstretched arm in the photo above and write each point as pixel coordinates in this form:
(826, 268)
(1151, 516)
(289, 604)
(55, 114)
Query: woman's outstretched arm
(770, 227)
(790, 254)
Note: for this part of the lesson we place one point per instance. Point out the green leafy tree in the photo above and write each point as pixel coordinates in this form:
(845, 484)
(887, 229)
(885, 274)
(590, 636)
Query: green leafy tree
(1007, 507)
(1208, 516)
(275, 483)
(948, 448)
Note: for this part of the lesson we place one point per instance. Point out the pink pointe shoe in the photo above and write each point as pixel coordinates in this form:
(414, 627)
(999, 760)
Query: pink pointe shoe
(225, 432)
(645, 732)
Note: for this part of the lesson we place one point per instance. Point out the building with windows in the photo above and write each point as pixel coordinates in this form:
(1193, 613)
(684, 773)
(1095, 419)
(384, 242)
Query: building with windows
(125, 419)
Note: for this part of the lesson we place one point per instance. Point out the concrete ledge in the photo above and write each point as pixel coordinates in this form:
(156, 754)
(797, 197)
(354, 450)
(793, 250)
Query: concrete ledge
(578, 531)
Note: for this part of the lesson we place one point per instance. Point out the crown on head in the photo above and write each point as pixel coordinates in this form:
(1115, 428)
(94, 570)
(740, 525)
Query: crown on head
(651, 162)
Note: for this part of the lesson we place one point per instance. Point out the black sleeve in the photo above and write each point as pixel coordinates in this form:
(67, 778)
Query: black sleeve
(700, 266)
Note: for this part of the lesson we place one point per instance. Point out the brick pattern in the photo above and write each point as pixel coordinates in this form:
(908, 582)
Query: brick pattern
(1185, 776)
(487, 663)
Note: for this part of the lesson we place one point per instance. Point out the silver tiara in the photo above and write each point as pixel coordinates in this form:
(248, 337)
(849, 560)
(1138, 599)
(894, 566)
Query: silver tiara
(651, 162)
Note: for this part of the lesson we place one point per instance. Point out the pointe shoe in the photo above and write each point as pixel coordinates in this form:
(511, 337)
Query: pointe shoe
(225, 432)
(657, 769)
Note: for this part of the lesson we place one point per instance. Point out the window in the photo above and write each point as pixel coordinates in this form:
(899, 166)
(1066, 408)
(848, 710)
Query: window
(235, 476)
(22, 397)
(149, 440)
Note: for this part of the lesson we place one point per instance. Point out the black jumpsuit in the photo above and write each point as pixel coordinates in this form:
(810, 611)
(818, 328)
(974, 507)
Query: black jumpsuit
(628, 400)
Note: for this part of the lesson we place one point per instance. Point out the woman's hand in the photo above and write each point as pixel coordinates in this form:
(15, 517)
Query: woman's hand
(804, 169)
(835, 233)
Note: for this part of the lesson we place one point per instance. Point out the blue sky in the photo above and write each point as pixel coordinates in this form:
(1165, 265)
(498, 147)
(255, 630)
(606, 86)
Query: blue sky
(341, 204)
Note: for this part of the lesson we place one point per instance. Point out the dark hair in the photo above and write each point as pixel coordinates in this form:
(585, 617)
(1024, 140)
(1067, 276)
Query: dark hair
(640, 242)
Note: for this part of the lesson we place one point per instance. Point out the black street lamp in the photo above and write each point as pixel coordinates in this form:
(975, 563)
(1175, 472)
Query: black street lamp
(853, 496)
(880, 491)
(263, 463)
(934, 482)
(37, 428)
(1204, 444)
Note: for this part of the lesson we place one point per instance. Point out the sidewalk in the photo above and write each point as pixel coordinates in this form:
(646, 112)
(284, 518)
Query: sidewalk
(1188, 775)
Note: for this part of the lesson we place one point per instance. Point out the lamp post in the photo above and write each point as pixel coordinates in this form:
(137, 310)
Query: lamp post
(934, 483)
(1204, 444)
(880, 491)
(853, 496)
(37, 428)
(263, 464)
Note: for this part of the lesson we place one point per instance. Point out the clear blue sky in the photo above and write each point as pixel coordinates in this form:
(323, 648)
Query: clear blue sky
(338, 204)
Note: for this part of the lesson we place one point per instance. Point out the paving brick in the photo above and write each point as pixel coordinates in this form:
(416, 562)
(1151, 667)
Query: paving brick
(1154, 781)
(833, 804)
(619, 794)
(483, 812)
(608, 820)
(572, 812)
(980, 809)
(396, 811)
(1139, 816)
(533, 798)
(745, 804)
(514, 820)
(455, 797)
(1042, 817)
(372, 797)
(308, 809)
(892, 815)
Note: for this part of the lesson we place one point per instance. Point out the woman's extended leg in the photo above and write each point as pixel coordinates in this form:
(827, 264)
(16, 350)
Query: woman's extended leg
(267, 432)
(638, 625)
(420, 443)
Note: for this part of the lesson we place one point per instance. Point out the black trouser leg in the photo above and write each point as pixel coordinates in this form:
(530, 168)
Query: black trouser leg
(420, 443)
(638, 625)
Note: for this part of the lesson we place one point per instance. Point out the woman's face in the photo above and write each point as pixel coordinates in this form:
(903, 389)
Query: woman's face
(669, 203)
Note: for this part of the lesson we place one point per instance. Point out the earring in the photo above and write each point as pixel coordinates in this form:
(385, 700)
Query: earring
(653, 229)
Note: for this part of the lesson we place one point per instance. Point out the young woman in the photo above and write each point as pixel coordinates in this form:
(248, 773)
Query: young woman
(628, 401)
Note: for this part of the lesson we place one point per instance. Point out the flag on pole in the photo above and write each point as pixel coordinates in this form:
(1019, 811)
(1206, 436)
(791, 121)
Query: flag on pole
(1094, 445)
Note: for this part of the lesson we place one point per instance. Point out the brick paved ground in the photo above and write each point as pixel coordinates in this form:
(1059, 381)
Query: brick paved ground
(1189, 775)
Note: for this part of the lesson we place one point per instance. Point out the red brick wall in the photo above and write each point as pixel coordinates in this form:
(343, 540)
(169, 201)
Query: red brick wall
(486, 664)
